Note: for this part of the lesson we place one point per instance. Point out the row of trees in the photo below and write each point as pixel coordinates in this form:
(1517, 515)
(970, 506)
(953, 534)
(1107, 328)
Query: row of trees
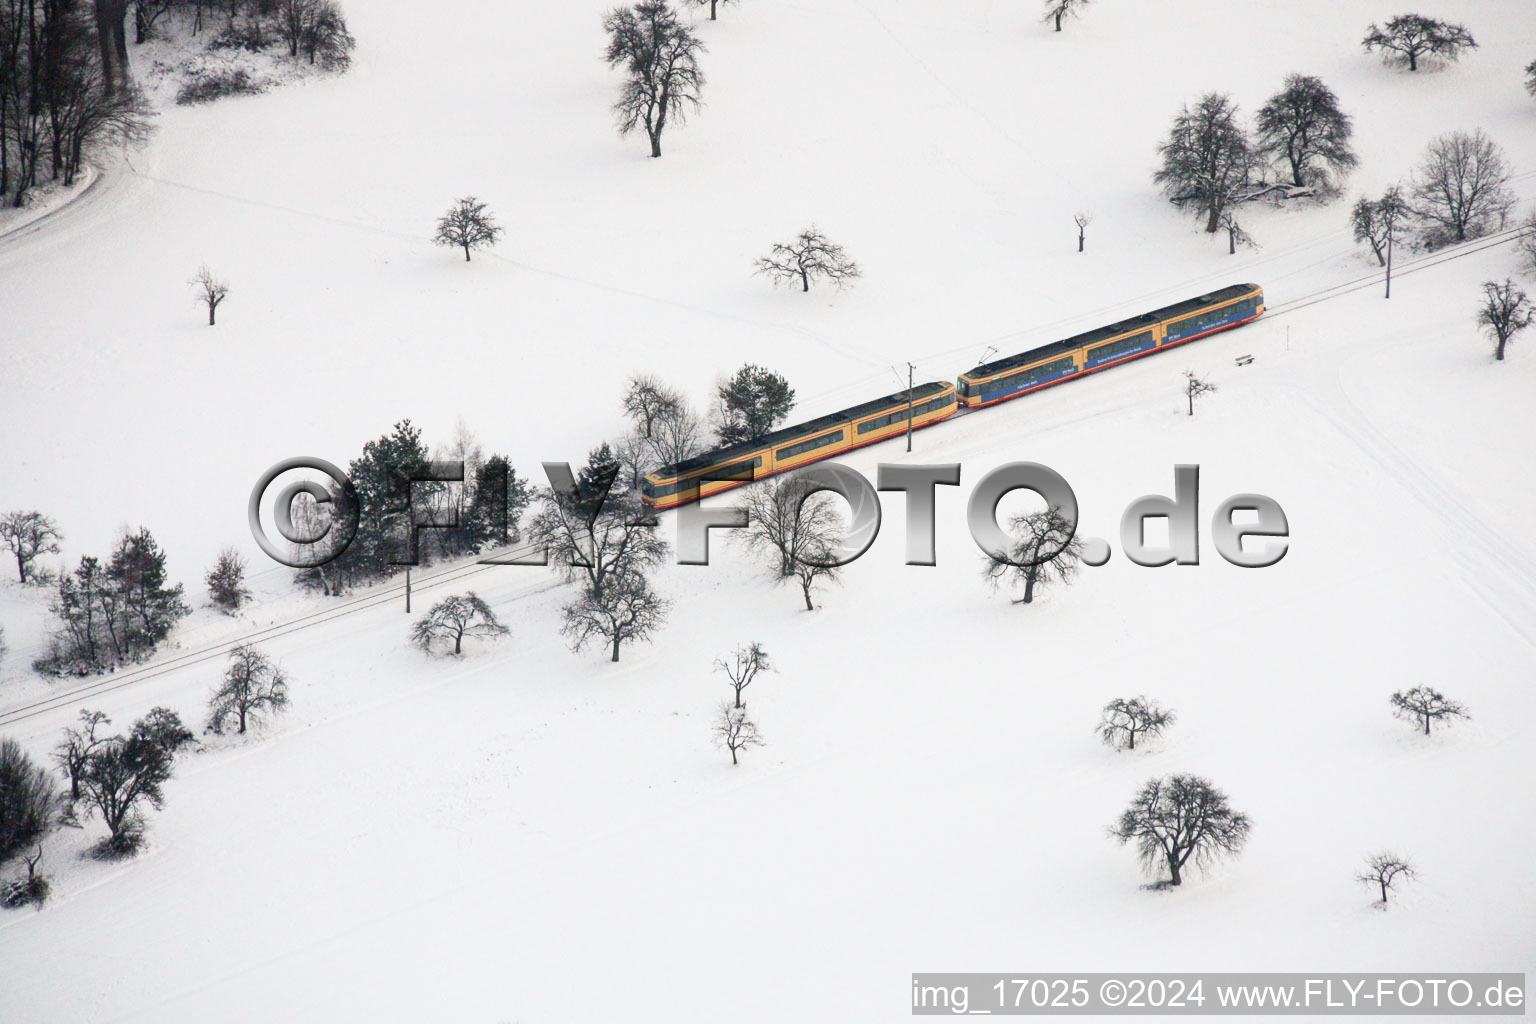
(1210, 163)
(394, 474)
(1459, 192)
(63, 90)
(114, 613)
(117, 776)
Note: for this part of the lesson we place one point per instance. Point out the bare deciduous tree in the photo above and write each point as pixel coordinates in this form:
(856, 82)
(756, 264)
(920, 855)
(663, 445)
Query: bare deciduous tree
(623, 609)
(454, 618)
(211, 291)
(120, 774)
(252, 686)
(677, 435)
(1424, 704)
(660, 58)
(1409, 37)
(467, 225)
(1526, 243)
(317, 29)
(796, 529)
(1194, 387)
(811, 256)
(1378, 222)
(647, 400)
(619, 539)
(712, 5)
(19, 892)
(1383, 870)
(1056, 10)
(1179, 820)
(1304, 126)
(1082, 219)
(1044, 551)
(1125, 719)
(735, 731)
(29, 533)
(743, 666)
(78, 742)
(1236, 235)
(1505, 312)
(1207, 158)
(1460, 187)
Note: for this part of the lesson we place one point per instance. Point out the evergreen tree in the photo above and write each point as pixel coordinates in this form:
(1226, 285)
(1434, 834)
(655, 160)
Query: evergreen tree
(137, 573)
(752, 402)
(226, 581)
(381, 480)
(496, 505)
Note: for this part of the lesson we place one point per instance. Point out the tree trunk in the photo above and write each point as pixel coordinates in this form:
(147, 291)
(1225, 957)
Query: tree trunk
(466, 252)
(807, 588)
(805, 281)
(615, 649)
(733, 754)
(1213, 221)
(1231, 243)
(1173, 871)
(1191, 396)
(104, 39)
(5, 163)
(458, 643)
(242, 720)
(1058, 21)
(21, 567)
(1132, 734)
(1499, 353)
(1029, 588)
(1426, 725)
(712, 9)
(211, 307)
(1079, 241)
(1383, 891)
(655, 143)
(1413, 61)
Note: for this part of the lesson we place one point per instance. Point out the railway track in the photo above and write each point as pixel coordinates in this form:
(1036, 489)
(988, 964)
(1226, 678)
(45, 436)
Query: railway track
(387, 593)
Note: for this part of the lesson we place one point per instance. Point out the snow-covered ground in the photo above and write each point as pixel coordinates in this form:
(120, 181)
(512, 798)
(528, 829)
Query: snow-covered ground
(531, 835)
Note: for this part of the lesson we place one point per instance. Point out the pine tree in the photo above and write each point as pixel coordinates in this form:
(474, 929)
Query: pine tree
(137, 573)
(752, 402)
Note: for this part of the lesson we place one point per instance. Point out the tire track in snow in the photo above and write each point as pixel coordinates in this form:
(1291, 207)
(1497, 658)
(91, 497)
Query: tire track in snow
(1494, 565)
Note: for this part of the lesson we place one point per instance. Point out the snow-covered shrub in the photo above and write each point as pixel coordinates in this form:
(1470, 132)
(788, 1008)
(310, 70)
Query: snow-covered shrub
(250, 35)
(209, 85)
(19, 892)
(125, 842)
(163, 727)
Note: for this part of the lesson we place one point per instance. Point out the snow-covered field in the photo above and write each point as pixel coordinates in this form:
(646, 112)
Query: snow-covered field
(535, 836)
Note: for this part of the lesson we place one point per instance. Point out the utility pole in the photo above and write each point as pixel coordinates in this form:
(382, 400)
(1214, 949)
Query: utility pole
(910, 369)
(1389, 262)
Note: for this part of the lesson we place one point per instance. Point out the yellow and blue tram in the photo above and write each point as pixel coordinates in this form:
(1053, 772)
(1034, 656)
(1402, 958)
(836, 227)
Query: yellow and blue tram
(792, 447)
(1104, 347)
